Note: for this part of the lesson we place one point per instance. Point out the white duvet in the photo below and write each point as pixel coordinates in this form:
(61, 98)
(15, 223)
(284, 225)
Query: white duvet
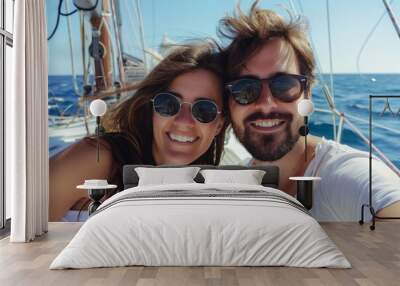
(187, 230)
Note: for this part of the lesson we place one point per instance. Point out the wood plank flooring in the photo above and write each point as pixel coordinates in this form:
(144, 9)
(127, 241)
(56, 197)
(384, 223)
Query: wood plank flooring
(374, 255)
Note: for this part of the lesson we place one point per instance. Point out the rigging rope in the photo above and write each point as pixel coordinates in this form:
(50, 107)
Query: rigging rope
(356, 130)
(60, 13)
(331, 65)
(139, 15)
(71, 52)
(360, 119)
(325, 89)
(379, 152)
(368, 38)
(57, 21)
(392, 17)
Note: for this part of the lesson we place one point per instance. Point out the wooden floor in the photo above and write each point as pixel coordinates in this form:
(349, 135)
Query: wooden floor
(374, 255)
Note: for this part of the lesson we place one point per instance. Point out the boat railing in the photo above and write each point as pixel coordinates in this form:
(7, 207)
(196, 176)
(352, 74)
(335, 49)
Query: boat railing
(343, 118)
(328, 92)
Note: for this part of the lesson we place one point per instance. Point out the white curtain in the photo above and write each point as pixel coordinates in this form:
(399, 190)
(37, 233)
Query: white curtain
(26, 124)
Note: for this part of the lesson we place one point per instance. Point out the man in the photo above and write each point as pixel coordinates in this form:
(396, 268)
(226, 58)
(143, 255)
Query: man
(266, 121)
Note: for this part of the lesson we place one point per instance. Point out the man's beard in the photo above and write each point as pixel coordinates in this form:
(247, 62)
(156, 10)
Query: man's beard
(267, 147)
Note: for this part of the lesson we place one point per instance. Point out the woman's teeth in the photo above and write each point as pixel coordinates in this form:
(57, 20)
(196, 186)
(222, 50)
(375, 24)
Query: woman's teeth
(181, 138)
(267, 123)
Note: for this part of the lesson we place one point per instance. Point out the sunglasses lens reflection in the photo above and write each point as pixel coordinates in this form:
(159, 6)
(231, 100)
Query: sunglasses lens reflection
(246, 91)
(285, 87)
(205, 111)
(166, 104)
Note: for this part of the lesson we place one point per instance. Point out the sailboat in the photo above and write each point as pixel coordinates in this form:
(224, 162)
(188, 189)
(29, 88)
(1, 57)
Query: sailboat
(105, 64)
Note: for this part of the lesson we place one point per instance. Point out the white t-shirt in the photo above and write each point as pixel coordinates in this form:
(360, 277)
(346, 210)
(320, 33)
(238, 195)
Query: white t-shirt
(344, 184)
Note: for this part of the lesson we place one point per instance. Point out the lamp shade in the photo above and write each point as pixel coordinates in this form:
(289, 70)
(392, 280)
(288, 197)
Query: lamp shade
(305, 107)
(98, 107)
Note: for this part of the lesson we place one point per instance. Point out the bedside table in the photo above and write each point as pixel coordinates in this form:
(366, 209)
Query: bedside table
(96, 190)
(304, 192)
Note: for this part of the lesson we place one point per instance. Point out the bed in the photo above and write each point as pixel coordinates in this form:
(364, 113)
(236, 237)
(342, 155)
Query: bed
(201, 224)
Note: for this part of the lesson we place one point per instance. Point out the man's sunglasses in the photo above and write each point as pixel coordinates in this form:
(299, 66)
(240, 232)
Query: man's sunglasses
(168, 104)
(283, 86)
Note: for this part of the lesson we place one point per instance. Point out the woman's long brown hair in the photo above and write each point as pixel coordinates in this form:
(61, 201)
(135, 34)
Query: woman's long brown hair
(134, 116)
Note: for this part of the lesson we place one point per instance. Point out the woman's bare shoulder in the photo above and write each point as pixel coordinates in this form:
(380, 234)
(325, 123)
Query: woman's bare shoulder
(82, 157)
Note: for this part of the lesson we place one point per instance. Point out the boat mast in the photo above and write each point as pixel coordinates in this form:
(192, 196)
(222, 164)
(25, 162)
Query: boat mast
(120, 38)
(101, 48)
(117, 26)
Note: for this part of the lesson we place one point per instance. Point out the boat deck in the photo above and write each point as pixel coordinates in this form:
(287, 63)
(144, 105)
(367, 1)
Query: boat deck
(374, 255)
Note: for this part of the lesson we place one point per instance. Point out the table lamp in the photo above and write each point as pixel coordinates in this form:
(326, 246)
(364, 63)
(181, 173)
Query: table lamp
(305, 108)
(98, 108)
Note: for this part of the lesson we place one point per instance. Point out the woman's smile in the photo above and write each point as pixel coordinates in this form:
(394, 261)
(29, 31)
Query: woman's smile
(176, 137)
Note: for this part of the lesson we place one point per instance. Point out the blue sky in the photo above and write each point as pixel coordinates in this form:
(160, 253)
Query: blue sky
(351, 21)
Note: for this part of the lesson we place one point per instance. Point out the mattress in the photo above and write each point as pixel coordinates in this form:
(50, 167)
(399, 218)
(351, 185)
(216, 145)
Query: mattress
(201, 225)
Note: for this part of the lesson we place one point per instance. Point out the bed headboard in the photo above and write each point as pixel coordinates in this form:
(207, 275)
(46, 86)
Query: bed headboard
(270, 179)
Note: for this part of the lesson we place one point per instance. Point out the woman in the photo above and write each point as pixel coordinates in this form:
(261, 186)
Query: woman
(175, 117)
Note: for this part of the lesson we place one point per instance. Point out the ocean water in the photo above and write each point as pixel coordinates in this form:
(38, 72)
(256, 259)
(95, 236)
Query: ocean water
(62, 98)
(351, 96)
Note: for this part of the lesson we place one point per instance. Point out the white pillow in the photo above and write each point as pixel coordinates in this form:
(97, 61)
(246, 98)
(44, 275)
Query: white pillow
(164, 176)
(248, 177)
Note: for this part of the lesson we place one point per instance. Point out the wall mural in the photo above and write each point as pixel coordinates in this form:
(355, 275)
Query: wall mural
(171, 103)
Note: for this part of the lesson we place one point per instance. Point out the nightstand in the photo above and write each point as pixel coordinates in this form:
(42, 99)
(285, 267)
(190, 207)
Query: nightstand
(305, 190)
(96, 190)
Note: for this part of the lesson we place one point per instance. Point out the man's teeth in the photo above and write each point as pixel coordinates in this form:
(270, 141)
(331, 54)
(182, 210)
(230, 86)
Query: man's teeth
(181, 138)
(267, 123)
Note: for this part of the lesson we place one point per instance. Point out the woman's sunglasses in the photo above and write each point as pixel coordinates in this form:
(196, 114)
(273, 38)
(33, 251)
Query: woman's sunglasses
(283, 86)
(168, 104)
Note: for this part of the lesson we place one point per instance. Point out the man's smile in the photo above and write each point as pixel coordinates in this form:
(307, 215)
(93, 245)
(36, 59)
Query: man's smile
(267, 125)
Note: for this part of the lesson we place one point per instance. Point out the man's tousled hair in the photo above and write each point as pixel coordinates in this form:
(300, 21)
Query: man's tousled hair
(248, 33)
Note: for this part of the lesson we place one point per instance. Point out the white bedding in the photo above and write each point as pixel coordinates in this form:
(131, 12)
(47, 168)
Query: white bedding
(265, 229)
